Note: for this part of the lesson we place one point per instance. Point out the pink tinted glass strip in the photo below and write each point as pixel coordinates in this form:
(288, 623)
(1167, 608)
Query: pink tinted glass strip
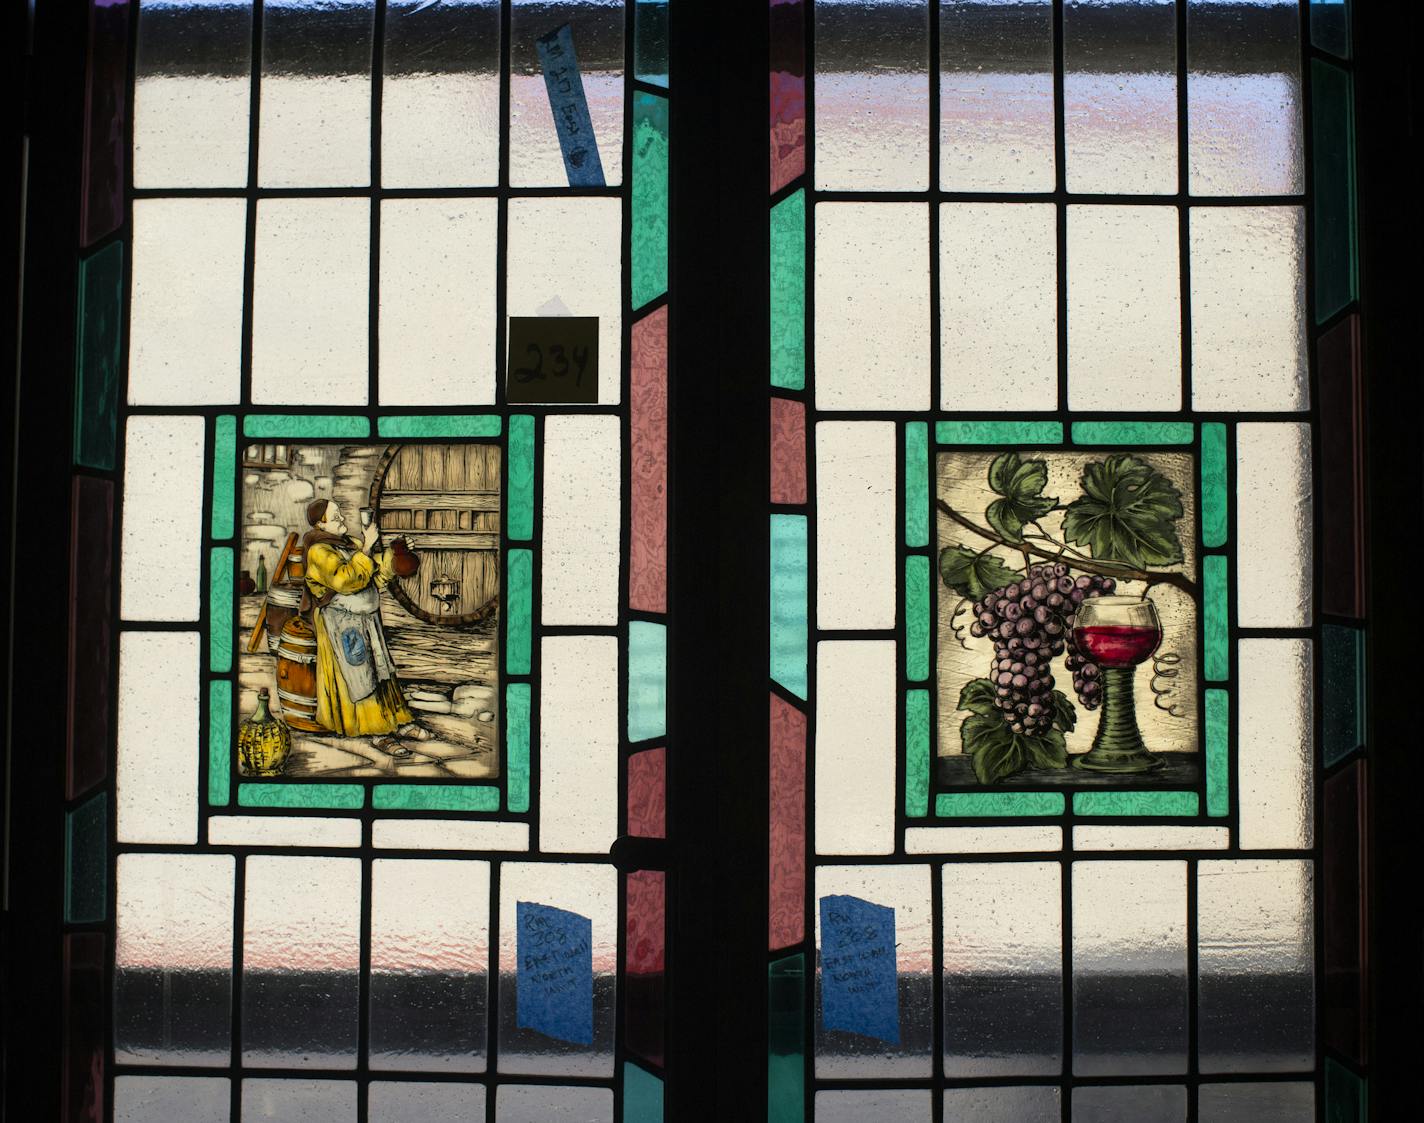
(105, 117)
(788, 824)
(788, 451)
(647, 794)
(644, 964)
(788, 92)
(647, 570)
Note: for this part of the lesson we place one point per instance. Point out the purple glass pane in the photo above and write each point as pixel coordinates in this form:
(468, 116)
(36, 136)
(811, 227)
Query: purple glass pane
(105, 117)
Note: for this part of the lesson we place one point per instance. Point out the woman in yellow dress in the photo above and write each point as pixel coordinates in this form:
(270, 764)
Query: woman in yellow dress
(357, 692)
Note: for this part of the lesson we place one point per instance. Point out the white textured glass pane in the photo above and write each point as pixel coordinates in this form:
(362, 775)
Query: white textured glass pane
(315, 127)
(173, 959)
(1275, 743)
(1151, 838)
(1248, 308)
(1002, 1105)
(596, 26)
(409, 1102)
(163, 518)
(299, 1101)
(982, 840)
(1003, 969)
(998, 299)
(872, 306)
(1142, 1103)
(438, 301)
(192, 91)
(534, 1103)
(857, 708)
(1120, 96)
(310, 314)
(1129, 968)
(564, 260)
(582, 513)
(1256, 966)
(162, 1099)
(855, 524)
(872, 94)
(448, 834)
(578, 744)
(429, 965)
(185, 318)
(273, 830)
(157, 776)
(1275, 1102)
(1274, 520)
(995, 95)
(440, 96)
(590, 891)
(842, 1055)
(1243, 98)
(1124, 309)
(881, 1105)
(300, 959)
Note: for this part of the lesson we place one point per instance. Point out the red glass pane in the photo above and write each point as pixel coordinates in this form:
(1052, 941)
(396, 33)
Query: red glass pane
(788, 824)
(105, 116)
(91, 565)
(647, 409)
(643, 984)
(788, 451)
(788, 92)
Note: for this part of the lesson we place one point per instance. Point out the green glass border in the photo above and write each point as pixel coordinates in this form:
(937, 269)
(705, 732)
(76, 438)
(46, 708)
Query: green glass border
(219, 743)
(86, 870)
(286, 794)
(1216, 659)
(435, 797)
(221, 578)
(519, 515)
(519, 608)
(788, 292)
(917, 484)
(1002, 805)
(917, 617)
(1134, 432)
(917, 753)
(518, 704)
(786, 1039)
(440, 425)
(304, 426)
(1214, 500)
(648, 237)
(1180, 804)
(1217, 719)
(998, 432)
(224, 475)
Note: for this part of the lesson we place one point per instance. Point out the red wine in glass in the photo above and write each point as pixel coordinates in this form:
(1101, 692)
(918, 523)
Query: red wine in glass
(1117, 645)
(1117, 633)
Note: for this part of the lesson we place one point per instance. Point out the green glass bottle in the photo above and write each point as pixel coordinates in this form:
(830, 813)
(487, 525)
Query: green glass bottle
(261, 573)
(263, 742)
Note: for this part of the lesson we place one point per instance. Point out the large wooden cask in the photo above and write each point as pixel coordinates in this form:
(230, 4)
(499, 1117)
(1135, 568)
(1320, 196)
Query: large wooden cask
(296, 674)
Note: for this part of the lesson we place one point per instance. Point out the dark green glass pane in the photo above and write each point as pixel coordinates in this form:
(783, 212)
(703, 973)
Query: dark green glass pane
(1330, 26)
(650, 197)
(1346, 1095)
(1213, 484)
(1343, 659)
(86, 882)
(99, 337)
(650, 42)
(1333, 135)
(786, 1041)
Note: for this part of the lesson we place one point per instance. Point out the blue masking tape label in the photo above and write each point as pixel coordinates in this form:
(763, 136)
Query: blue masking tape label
(859, 990)
(570, 108)
(554, 984)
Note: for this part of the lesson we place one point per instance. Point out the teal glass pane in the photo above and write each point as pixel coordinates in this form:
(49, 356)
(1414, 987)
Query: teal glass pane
(345, 796)
(520, 518)
(917, 753)
(788, 292)
(1346, 1095)
(434, 797)
(315, 426)
(517, 700)
(647, 680)
(788, 602)
(220, 585)
(917, 618)
(786, 1041)
(917, 484)
(1136, 803)
(1330, 26)
(220, 743)
(86, 879)
(1333, 157)
(1214, 612)
(1343, 659)
(642, 1093)
(1218, 758)
(520, 597)
(650, 197)
(1213, 484)
(1133, 432)
(999, 432)
(437, 425)
(650, 42)
(998, 804)
(224, 474)
(99, 338)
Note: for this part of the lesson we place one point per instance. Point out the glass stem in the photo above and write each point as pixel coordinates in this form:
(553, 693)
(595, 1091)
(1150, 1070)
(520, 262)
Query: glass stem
(1117, 730)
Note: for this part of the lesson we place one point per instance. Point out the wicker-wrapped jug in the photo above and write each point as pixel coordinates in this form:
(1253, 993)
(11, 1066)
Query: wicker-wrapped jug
(263, 742)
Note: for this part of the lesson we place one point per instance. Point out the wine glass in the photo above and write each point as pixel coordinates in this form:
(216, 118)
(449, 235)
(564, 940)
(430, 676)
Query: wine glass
(1117, 633)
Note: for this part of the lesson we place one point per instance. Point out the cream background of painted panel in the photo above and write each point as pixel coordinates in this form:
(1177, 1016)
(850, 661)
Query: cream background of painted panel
(872, 306)
(857, 707)
(578, 744)
(1248, 308)
(162, 540)
(185, 311)
(565, 259)
(1274, 525)
(437, 298)
(156, 782)
(982, 840)
(1275, 744)
(279, 830)
(310, 302)
(581, 520)
(998, 296)
(1124, 309)
(855, 524)
(448, 834)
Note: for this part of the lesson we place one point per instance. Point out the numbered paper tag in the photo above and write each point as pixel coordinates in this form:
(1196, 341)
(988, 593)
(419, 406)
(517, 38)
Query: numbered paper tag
(554, 980)
(859, 981)
(552, 359)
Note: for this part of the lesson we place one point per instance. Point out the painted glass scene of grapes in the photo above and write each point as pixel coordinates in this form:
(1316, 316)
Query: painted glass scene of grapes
(368, 611)
(1068, 619)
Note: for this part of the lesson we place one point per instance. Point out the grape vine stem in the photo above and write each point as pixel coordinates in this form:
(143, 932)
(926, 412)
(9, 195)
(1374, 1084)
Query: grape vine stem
(1087, 565)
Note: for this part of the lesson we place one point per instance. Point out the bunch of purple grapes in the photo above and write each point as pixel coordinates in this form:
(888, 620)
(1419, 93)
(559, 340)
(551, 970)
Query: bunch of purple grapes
(1031, 622)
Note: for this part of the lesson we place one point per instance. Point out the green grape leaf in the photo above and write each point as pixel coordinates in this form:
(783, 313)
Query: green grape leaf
(1127, 513)
(1065, 714)
(1020, 482)
(978, 697)
(1008, 517)
(971, 574)
(989, 741)
(1047, 751)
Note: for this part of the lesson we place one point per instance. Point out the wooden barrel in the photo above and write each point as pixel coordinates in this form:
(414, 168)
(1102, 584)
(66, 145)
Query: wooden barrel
(296, 674)
(283, 601)
(294, 573)
(444, 499)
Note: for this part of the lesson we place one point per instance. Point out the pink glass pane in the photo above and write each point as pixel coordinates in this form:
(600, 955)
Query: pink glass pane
(84, 1028)
(788, 92)
(643, 983)
(105, 113)
(647, 794)
(91, 552)
(1342, 544)
(1346, 919)
(647, 569)
(788, 451)
(788, 824)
